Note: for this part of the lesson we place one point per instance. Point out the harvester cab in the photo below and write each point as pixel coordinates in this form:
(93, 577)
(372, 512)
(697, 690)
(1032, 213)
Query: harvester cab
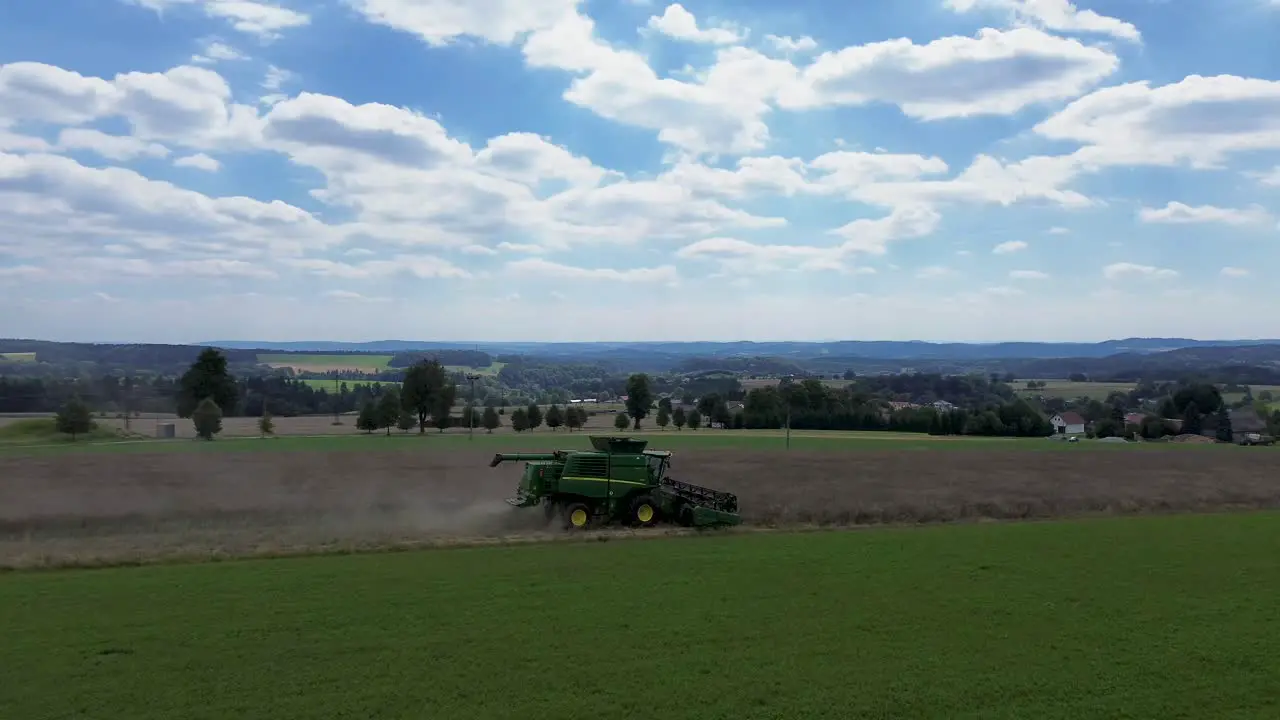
(618, 480)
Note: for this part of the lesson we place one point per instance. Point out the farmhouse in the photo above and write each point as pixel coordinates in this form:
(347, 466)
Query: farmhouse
(1067, 423)
(1245, 423)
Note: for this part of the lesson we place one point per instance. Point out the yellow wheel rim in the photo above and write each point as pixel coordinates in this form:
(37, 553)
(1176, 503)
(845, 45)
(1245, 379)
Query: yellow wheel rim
(578, 517)
(644, 513)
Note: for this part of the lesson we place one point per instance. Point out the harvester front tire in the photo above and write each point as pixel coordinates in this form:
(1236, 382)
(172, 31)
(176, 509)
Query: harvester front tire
(644, 512)
(577, 516)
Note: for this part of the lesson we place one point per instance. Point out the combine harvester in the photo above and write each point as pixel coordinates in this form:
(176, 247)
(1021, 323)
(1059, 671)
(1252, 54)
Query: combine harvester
(620, 481)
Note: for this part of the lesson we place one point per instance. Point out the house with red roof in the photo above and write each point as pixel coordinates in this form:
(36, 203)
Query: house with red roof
(1067, 423)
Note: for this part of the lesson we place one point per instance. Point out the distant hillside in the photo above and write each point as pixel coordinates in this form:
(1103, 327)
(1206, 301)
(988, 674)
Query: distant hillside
(1162, 358)
(864, 349)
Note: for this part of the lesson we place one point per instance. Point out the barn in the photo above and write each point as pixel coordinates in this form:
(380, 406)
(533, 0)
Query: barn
(1067, 423)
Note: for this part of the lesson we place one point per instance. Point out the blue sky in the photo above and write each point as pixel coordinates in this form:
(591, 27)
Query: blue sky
(972, 170)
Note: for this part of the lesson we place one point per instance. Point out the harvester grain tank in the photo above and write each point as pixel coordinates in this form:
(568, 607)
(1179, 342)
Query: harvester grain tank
(620, 481)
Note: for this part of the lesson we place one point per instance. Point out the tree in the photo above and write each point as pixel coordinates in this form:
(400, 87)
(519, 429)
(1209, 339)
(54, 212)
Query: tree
(678, 418)
(491, 421)
(444, 406)
(424, 382)
(664, 415)
(406, 421)
(665, 403)
(1153, 427)
(1206, 397)
(74, 418)
(555, 417)
(695, 419)
(534, 415)
(621, 421)
(519, 420)
(707, 403)
(207, 417)
(368, 418)
(265, 425)
(1191, 419)
(720, 413)
(389, 408)
(207, 377)
(639, 397)
(575, 418)
(1224, 424)
(1106, 428)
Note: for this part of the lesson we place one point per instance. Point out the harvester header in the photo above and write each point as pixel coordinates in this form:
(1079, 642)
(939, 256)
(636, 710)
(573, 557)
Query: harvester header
(619, 480)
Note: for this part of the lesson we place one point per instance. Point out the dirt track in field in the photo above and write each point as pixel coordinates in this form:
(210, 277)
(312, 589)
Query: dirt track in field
(114, 507)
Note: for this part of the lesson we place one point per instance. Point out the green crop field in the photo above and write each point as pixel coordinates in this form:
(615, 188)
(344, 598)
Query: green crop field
(492, 369)
(1159, 617)
(326, 363)
(327, 385)
(1071, 390)
(44, 430)
(19, 356)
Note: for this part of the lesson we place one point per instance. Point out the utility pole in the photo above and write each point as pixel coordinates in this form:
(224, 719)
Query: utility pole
(471, 408)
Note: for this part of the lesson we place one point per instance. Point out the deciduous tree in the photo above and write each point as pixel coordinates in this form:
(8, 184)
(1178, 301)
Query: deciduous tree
(389, 408)
(621, 421)
(207, 417)
(74, 418)
(664, 416)
(639, 397)
(575, 417)
(444, 406)
(555, 417)
(207, 378)
(678, 418)
(491, 421)
(368, 418)
(423, 383)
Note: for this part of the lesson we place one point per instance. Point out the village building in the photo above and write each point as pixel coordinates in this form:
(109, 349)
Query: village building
(1067, 423)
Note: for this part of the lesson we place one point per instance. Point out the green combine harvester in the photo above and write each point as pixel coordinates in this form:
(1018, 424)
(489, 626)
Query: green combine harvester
(618, 482)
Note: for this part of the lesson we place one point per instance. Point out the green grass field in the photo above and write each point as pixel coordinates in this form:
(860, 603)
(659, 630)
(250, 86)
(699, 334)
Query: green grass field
(19, 356)
(326, 363)
(44, 431)
(1158, 617)
(327, 385)
(492, 369)
(1071, 390)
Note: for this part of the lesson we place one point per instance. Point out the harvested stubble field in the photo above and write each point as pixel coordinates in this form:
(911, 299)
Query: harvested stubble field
(91, 508)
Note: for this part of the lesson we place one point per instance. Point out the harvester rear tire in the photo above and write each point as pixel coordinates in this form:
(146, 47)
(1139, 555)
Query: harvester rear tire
(644, 512)
(577, 516)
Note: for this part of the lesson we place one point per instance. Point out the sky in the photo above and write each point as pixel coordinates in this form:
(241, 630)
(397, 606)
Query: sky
(565, 170)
